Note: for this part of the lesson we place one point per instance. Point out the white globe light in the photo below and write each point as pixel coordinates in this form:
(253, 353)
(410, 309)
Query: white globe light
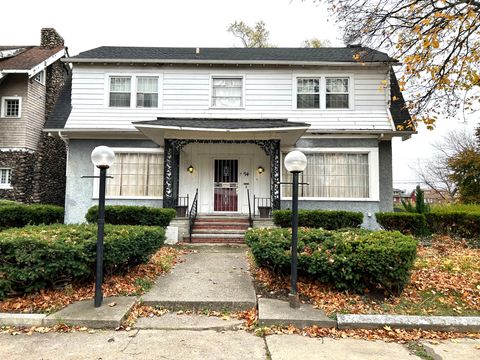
(295, 161)
(103, 157)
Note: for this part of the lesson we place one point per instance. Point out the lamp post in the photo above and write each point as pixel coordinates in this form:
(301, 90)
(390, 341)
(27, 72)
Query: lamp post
(102, 157)
(295, 163)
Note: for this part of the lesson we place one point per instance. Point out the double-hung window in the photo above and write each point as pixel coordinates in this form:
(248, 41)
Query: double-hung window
(120, 89)
(11, 107)
(147, 91)
(308, 93)
(338, 175)
(5, 178)
(136, 174)
(336, 93)
(227, 92)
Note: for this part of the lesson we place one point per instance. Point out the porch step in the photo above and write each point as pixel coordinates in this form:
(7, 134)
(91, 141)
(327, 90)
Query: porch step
(222, 219)
(240, 232)
(225, 226)
(218, 238)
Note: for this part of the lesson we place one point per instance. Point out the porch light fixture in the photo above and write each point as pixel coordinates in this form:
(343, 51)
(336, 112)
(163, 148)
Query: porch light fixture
(102, 157)
(295, 163)
(190, 169)
(260, 169)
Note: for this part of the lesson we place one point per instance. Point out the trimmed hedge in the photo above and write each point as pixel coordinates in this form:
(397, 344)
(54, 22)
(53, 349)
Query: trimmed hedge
(37, 257)
(325, 219)
(348, 259)
(132, 215)
(21, 215)
(456, 223)
(405, 222)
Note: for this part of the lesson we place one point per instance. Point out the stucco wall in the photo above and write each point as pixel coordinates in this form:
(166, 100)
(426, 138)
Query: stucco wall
(79, 191)
(369, 208)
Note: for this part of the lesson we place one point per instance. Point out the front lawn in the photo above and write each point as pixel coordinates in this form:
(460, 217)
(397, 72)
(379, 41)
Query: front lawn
(445, 280)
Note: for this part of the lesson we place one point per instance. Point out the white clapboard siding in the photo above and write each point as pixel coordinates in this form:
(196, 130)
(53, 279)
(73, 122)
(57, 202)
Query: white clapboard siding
(268, 93)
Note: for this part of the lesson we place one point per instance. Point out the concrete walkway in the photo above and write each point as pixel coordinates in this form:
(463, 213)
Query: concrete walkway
(212, 277)
(228, 345)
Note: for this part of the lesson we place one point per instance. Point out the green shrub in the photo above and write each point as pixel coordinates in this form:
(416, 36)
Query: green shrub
(405, 222)
(9, 202)
(37, 257)
(132, 215)
(455, 223)
(21, 215)
(325, 219)
(349, 259)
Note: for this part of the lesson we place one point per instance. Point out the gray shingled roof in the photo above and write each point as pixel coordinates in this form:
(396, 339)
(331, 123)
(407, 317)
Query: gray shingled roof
(208, 123)
(268, 55)
(63, 106)
(398, 109)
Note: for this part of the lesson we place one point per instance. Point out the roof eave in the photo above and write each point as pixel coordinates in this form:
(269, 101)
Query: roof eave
(228, 62)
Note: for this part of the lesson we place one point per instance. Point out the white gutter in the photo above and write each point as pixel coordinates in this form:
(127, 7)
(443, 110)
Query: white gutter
(186, 128)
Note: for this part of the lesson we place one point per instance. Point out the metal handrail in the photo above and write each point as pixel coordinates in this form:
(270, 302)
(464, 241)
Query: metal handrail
(192, 215)
(258, 202)
(250, 218)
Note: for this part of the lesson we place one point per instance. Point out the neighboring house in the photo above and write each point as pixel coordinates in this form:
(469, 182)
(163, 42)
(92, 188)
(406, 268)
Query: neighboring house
(221, 119)
(399, 195)
(32, 166)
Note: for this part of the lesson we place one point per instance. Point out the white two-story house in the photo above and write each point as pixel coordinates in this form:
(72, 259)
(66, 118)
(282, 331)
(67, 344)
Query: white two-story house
(219, 120)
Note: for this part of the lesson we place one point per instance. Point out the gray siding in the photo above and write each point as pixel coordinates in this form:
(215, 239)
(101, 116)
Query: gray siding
(12, 130)
(35, 113)
(79, 191)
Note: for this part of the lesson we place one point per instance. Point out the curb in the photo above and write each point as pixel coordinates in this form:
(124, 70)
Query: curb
(433, 323)
(21, 320)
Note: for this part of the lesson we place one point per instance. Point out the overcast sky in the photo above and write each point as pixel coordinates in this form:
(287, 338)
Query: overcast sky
(87, 24)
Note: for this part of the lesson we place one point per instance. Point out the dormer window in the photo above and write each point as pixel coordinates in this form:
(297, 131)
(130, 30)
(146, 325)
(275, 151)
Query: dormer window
(227, 92)
(120, 89)
(147, 91)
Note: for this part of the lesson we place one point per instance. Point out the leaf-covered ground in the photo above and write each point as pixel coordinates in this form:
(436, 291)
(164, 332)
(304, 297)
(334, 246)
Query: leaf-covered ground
(135, 282)
(445, 281)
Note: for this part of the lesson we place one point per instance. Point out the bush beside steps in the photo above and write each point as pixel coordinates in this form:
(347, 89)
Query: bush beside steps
(37, 257)
(325, 219)
(19, 215)
(349, 259)
(133, 215)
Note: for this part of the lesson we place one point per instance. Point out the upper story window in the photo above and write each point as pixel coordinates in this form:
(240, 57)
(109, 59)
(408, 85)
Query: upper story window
(147, 91)
(40, 77)
(337, 93)
(5, 178)
(120, 89)
(227, 92)
(308, 93)
(11, 106)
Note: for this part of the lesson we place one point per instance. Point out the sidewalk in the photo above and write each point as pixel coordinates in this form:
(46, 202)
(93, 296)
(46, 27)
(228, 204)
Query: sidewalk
(228, 345)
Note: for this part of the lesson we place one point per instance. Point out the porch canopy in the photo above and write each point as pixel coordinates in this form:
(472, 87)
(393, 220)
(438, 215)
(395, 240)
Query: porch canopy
(174, 133)
(222, 129)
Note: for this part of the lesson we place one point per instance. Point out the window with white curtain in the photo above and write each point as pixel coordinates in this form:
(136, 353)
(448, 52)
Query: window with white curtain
(336, 93)
(332, 175)
(120, 88)
(136, 174)
(308, 93)
(147, 91)
(227, 92)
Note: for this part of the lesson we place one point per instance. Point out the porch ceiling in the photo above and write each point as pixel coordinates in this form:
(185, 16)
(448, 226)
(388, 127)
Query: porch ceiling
(222, 129)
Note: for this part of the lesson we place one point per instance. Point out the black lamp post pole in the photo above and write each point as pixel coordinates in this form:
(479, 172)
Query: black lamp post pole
(101, 223)
(293, 296)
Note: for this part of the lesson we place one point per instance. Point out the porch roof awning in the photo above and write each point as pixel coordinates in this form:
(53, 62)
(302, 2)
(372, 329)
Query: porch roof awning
(222, 129)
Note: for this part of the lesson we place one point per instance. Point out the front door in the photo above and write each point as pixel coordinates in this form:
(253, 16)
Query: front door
(225, 185)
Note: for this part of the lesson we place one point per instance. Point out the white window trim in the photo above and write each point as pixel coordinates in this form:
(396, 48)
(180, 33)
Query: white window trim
(7, 185)
(4, 107)
(210, 91)
(373, 171)
(42, 75)
(323, 90)
(96, 172)
(133, 89)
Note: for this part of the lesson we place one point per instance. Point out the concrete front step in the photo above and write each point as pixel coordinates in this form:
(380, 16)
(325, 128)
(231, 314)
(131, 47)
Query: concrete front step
(222, 219)
(209, 225)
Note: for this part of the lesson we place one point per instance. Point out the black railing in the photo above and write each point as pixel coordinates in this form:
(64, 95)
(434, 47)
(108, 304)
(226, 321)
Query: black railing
(182, 203)
(264, 205)
(250, 218)
(192, 215)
